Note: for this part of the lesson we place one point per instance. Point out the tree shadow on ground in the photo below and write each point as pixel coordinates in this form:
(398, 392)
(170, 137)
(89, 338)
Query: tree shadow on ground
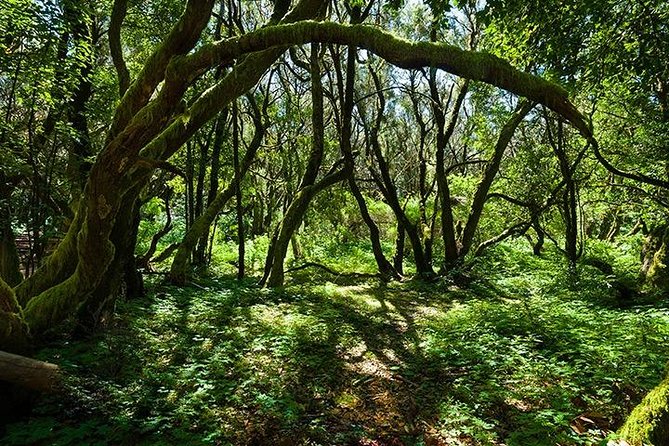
(356, 362)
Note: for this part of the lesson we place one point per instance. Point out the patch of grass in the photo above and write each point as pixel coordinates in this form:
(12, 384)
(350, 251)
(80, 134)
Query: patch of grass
(522, 356)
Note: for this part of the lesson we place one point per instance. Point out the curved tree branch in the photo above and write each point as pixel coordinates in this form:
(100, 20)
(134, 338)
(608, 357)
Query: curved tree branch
(399, 52)
(119, 11)
(632, 176)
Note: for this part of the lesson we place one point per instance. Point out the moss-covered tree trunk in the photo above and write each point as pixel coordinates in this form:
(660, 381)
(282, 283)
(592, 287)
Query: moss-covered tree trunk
(13, 330)
(59, 290)
(648, 424)
(122, 276)
(655, 258)
(9, 256)
(278, 249)
(274, 274)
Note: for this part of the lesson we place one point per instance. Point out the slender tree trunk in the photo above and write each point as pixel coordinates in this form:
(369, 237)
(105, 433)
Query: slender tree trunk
(80, 148)
(180, 263)
(489, 175)
(423, 192)
(238, 193)
(539, 245)
(346, 88)
(444, 133)
(386, 268)
(144, 261)
(119, 10)
(398, 258)
(219, 136)
(569, 202)
(190, 186)
(291, 221)
(203, 161)
(308, 187)
(413, 232)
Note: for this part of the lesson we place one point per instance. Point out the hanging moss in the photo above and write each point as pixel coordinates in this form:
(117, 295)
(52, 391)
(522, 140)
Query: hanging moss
(648, 424)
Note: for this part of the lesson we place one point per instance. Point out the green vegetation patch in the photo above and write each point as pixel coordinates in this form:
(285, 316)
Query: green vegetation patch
(527, 354)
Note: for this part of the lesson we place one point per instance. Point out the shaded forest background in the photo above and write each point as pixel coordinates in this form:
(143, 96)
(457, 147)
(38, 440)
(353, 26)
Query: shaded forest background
(456, 198)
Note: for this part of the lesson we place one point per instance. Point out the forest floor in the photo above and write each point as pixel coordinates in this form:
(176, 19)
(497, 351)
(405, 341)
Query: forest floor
(521, 355)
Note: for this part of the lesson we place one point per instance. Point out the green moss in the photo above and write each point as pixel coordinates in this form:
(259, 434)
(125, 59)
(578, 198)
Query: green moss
(57, 267)
(657, 272)
(13, 331)
(57, 303)
(649, 421)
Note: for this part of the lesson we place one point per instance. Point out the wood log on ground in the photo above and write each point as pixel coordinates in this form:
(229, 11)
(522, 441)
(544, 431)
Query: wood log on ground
(29, 373)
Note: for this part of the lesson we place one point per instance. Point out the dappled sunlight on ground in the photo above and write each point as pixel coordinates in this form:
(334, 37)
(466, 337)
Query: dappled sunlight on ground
(361, 364)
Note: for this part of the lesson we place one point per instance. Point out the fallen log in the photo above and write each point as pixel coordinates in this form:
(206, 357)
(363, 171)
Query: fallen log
(29, 373)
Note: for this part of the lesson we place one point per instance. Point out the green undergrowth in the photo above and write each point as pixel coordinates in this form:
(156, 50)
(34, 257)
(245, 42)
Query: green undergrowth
(528, 353)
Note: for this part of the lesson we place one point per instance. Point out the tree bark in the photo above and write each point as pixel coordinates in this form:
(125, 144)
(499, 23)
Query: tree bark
(144, 261)
(239, 207)
(97, 310)
(444, 133)
(13, 330)
(386, 268)
(568, 205)
(119, 10)
(389, 191)
(219, 135)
